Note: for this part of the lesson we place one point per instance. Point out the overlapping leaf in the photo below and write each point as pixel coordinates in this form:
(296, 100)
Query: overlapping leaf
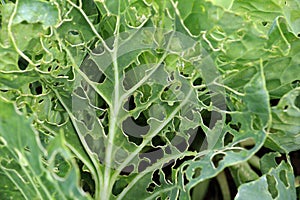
(138, 91)
(33, 169)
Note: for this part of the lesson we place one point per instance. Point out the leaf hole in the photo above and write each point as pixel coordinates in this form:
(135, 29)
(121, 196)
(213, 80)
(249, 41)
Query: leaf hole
(119, 186)
(80, 92)
(228, 138)
(151, 187)
(235, 126)
(167, 88)
(185, 179)
(206, 116)
(85, 86)
(2, 142)
(99, 102)
(241, 33)
(36, 88)
(214, 117)
(171, 77)
(41, 101)
(202, 90)
(73, 32)
(185, 75)
(127, 170)
(39, 89)
(38, 57)
(189, 115)
(98, 49)
(136, 127)
(167, 171)
(280, 159)
(272, 186)
(88, 119)
(176, 122)
(168, 150)
(197, 172)
(106, 128)
(151, 154)
(143, 165)
(135, 140)
(101, 78)
(197, 81)
(283, 178)
(228, 118)
(177, 87)
(146, 92)
(295, 84)
(22, 63)
(24, 22)
(264, 23)
(87, 183)
(180, 143)
(157, 141)
(199, 142)
(56, 84)
(129, 104)
(265, 62)
(274, 102)
(91, 69)
(156, 178)
(216, 159)
(61, 166)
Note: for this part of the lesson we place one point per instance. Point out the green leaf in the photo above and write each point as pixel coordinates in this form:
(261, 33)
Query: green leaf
(227, 4)
(249, 190)
(25, 162)
(147, 99)
(36, 11)
(293, 18)
(276, 183)
(285, 129)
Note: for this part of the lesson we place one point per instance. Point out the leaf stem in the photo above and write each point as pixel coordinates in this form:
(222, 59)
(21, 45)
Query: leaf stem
(107, 184)
(223, 183)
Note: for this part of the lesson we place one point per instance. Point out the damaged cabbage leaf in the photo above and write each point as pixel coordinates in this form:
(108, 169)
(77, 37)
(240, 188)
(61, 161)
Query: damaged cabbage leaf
(36, 172)
(147, 99)
(285, 130)
(277, 181)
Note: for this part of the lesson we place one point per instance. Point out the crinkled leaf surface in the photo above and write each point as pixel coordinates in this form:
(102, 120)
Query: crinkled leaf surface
(146, 99)
(33, 169)
(285, 132)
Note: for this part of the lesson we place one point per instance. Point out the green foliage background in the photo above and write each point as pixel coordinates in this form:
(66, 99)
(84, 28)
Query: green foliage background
(48, 151)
